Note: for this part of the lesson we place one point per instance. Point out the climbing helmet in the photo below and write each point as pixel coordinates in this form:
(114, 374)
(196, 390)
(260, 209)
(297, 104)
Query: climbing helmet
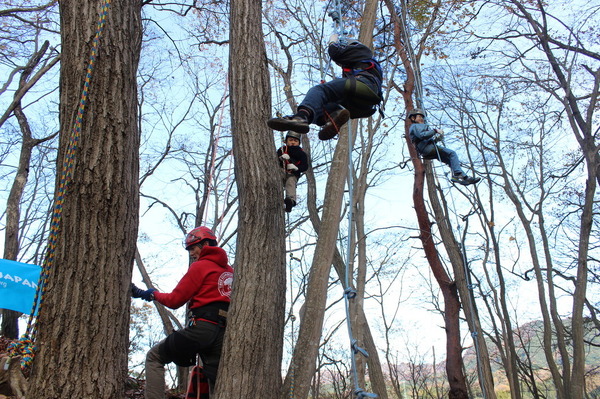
(198, 235)
(294, 135)
(415, 112)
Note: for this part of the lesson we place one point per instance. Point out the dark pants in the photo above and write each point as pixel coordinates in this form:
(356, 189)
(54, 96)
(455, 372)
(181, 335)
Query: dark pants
(203, 338)
(328, 96)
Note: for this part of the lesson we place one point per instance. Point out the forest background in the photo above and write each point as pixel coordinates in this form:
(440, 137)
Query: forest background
(513, 84)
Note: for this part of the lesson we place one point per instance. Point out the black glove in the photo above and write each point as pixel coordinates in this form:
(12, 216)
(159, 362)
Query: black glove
(147, 295)
(136, 292)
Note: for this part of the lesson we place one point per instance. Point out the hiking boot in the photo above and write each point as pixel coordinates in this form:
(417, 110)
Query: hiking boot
(464, 179)
(289, 204)
(294, 123)
(335, 121)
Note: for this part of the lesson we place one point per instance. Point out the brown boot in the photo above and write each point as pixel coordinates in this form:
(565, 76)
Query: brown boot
(335, 121)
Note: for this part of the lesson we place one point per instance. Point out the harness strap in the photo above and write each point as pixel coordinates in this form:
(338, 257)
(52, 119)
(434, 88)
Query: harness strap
(215, 312)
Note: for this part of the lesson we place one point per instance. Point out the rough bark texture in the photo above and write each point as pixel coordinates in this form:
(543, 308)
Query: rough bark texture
(84, 320)
(303, 363)
(251, 362)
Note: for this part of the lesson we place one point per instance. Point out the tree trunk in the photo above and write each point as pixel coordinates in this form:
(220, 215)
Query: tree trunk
(302, 366)
(486, 380)
(251, 361)
(454, 364)
(84, 319)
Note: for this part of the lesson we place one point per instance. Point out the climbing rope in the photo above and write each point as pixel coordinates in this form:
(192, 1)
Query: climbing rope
(349, 292)
(212, 167)
(25, 347)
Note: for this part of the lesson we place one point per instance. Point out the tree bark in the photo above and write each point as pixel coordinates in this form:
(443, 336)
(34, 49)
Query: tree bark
(83, 321)
(251, 361)
(455, 254)
(302, 366)
(454, 363)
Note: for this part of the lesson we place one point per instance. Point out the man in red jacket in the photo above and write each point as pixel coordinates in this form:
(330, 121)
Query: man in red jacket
(206, 287)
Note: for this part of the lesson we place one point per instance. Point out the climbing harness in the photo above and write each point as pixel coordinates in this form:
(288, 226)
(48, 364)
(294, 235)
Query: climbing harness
(26, 347)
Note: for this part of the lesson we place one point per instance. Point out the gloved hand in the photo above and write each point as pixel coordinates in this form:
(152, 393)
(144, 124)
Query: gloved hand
(291, 167)
(333, 38)
(439, 135)
(136, 292)
(147, 295)
(285, 157)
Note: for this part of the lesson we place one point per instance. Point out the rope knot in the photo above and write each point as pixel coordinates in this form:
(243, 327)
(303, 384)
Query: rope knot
(25, 348)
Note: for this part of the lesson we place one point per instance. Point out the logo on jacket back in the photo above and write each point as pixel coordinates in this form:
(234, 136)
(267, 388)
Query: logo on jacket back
(225, 283)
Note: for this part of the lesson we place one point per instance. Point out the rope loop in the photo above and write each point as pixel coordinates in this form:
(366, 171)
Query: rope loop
(350, 293)
(25, 348)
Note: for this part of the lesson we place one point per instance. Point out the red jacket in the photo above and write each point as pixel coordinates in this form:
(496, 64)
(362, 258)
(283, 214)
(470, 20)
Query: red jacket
(209, 279)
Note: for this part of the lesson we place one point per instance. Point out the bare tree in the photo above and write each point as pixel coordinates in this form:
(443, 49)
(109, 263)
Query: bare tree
(255, 327)
(10, 327)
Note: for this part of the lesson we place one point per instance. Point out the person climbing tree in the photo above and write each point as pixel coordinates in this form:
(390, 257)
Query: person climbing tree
(207, 288)
(329, 105)
(294, 162)
(425, 140)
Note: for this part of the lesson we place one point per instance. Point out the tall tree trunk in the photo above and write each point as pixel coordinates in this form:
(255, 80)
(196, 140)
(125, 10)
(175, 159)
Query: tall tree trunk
(83, 322)
(304, 358)
(455, 254)
(454, 363)
(10, 318)
(251, 362)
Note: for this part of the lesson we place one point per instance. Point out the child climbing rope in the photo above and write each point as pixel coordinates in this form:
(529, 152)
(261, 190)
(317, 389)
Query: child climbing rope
(207, 287)
(355, 95)
(425, 140)
(294, 162)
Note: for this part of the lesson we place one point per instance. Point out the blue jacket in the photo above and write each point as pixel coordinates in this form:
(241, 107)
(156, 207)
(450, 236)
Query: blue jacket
(422, 136)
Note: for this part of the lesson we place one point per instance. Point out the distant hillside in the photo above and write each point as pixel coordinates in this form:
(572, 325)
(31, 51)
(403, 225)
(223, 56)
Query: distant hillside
(529, 341)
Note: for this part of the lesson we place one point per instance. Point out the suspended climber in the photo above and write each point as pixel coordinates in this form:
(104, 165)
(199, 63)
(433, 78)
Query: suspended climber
(331, 104)
(207, 288)
(425, 140)
(294, 162)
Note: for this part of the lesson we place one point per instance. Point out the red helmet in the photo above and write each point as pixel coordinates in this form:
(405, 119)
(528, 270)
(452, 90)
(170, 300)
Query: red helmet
(197, 235)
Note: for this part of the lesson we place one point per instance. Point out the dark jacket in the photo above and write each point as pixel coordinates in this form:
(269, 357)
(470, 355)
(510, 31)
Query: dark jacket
(356, 60)
(297, 156)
